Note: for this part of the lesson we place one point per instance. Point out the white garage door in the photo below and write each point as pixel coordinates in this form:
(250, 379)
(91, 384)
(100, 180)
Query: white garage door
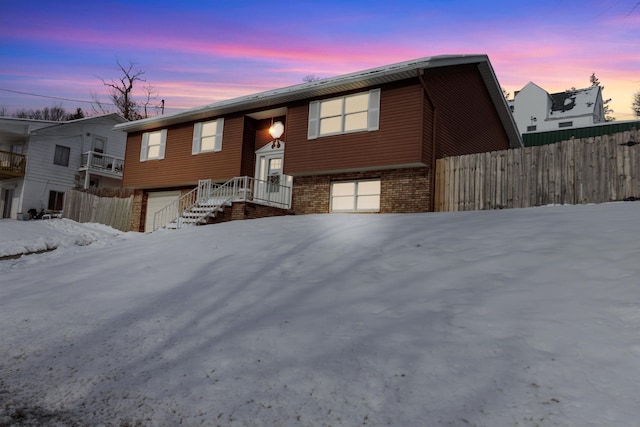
(156, 201)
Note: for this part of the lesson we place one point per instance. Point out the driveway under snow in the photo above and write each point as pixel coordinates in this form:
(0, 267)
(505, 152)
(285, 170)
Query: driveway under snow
(526, 317)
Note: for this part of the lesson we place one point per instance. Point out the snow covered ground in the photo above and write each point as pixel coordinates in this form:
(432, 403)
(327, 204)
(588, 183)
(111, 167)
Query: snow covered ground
(524, 317)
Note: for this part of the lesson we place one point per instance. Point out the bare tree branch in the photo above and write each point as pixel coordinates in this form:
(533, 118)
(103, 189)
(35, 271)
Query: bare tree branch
(121, 93)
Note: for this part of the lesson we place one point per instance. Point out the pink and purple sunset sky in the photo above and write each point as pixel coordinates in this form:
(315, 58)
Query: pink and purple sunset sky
(198, 52)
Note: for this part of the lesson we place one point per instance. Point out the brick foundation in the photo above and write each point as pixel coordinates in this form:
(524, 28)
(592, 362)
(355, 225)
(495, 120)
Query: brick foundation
(401, 190)
(247, 210)
(138, 209)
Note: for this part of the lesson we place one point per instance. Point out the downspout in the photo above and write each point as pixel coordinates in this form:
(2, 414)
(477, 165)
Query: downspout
(434, 116)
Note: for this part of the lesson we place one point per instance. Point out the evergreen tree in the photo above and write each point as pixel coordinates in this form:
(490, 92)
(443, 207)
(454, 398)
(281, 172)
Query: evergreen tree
(636, 104)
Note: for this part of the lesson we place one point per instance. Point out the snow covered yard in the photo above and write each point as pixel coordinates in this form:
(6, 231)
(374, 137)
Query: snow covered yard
(527, 317)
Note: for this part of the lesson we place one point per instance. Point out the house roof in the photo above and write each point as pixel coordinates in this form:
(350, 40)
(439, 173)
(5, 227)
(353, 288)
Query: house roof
(346, 82)
(572, 103)
(18, 129)
(13, 128)
(113, 117)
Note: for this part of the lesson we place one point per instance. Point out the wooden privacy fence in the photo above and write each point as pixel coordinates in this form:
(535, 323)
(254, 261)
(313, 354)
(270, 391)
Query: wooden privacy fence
(114, 211)
(578, 171)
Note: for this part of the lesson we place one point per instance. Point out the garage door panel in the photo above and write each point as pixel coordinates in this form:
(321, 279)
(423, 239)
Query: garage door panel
(156, 201)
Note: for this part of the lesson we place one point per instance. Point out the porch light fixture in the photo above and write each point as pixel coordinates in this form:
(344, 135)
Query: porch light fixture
(276, 130)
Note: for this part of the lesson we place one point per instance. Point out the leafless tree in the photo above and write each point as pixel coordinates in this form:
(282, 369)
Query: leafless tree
(55, 113)
(121, 93)
(311, 78)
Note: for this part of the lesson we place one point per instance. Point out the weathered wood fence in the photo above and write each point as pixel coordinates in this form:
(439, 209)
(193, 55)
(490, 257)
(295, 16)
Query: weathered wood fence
(592, 170)
(114, 210)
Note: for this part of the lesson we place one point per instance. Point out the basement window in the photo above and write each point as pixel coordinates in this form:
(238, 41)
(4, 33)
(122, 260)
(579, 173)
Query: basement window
(355, 196)
(565, 124)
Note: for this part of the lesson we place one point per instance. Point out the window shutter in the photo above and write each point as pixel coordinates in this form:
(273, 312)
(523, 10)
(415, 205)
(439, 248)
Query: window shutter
(219, 127)
(197, 133)
(373, 121)
(163, 143)
(314, 119)
(144, 146)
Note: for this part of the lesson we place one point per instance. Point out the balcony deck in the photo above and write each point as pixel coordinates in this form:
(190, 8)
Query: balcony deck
(12, 165)
(102, 164)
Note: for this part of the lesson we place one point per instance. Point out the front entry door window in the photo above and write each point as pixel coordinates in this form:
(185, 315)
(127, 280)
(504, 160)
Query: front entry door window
(274, 175)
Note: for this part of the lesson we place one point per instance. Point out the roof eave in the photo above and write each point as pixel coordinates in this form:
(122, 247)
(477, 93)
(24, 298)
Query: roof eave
(501, 104)
(357, 80)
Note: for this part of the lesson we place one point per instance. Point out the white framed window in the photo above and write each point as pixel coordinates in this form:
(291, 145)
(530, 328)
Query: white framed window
(61, 155)
(207, 136)
(99, 144)
(153, 145)
(351, 113)
(355, 196)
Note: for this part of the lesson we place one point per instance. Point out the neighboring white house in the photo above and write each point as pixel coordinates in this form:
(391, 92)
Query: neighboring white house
(40, 160)
(535, 110)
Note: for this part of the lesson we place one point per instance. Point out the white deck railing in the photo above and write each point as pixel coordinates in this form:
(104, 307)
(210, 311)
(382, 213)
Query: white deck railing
(94, 161)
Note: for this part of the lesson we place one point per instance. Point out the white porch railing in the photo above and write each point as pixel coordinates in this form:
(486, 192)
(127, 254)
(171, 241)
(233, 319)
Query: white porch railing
(100, 164)
(215, 196)
(95, 161)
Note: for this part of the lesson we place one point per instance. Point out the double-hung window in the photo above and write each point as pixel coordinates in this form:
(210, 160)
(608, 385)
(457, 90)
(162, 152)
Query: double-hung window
(61, 155)
(351, 113)
(355, 196)
(153, 145)
(207, 136)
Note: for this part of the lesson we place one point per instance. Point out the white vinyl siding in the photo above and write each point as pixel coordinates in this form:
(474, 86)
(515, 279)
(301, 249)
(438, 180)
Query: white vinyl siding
(355, 196)
(207, 136)
(153, 145)
(346, 114)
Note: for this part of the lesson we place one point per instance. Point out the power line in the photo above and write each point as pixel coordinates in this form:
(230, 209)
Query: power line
(52, 97)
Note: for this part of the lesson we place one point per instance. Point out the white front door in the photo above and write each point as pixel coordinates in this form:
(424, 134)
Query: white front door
(272, 186)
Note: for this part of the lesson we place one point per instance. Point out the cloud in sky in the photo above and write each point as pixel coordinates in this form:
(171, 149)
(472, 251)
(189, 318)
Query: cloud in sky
(195, 53)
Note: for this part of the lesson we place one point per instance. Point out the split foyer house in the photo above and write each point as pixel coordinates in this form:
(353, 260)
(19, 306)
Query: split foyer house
(41, 160)
(361, 142)
(536, 110)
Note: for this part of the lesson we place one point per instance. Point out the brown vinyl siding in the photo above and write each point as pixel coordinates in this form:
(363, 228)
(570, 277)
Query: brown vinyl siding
(466, 119)
(179, 167)
(397, 142)
(428, 118)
